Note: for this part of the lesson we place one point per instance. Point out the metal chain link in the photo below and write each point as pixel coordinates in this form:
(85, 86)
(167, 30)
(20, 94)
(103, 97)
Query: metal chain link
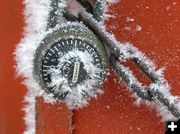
(97, 10)
(53, 14)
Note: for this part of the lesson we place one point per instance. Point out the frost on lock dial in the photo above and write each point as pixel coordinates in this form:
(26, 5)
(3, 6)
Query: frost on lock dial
(72, 66)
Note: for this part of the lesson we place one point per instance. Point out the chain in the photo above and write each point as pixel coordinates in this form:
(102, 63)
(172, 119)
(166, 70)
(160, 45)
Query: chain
(92, 18)
(117, 54)
(53, 14)
(55, 11)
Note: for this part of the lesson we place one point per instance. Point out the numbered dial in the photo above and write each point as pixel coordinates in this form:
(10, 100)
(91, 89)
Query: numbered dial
(69, 65)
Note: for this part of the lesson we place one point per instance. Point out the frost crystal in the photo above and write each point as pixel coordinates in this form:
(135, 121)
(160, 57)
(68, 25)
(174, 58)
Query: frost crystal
(138, 28)
(75, 97)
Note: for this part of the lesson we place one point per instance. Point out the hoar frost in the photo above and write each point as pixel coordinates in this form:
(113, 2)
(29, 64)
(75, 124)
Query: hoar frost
(75, 97)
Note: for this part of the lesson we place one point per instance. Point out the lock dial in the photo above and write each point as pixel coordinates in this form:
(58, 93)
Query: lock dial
(71, 64)
(64, 59)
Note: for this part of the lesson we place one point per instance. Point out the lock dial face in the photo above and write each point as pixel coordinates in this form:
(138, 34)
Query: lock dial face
(72, 65)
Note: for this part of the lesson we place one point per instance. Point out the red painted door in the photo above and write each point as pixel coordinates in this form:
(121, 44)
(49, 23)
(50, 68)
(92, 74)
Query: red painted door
(152, 26)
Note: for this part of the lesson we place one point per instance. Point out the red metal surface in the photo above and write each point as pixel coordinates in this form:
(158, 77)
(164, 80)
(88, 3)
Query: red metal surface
(11, 91)
(113, 112)
(52, 119)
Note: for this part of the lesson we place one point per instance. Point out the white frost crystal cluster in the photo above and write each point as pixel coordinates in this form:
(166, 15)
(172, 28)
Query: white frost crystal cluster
(75, 98)
(36, 15)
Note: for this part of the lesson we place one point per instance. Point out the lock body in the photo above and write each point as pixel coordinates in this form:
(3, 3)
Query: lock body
(71, 63)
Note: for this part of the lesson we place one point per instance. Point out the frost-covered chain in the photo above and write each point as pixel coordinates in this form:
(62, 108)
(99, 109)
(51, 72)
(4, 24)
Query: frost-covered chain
(120, 53)
(53, 14)
(59, 8)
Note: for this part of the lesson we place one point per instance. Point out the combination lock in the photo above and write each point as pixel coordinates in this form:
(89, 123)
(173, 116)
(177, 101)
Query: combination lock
(71, 63)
